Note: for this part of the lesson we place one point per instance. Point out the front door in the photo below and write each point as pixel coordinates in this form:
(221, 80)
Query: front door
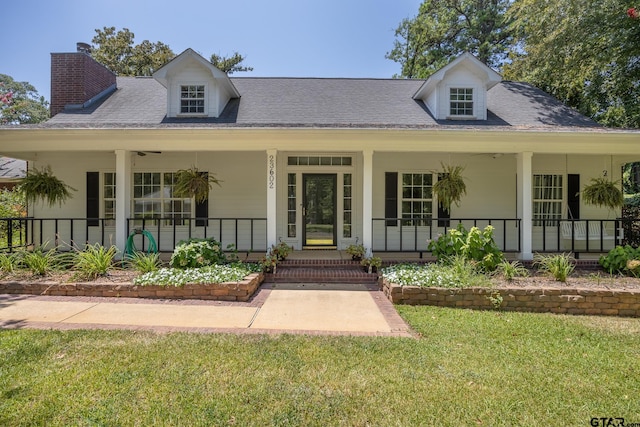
(319, 209)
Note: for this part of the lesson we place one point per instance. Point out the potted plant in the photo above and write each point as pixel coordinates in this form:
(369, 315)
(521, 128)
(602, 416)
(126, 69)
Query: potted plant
(194, 183)
(356, 252)
(268, 263)
(41, 184)
(281, 251)
(372, 264)
(450, 186)
(602, 192)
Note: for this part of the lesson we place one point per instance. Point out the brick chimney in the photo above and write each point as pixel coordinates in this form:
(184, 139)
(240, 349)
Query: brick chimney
(78, 80)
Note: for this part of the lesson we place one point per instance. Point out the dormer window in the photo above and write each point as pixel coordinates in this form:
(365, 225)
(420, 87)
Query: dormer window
(192, 99)
(461, 101)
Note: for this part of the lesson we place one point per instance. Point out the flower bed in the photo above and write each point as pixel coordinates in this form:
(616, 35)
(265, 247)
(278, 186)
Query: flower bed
(239, 290)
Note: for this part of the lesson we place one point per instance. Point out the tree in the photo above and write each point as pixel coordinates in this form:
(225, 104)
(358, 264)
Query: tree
(20, 103)
(116, 50)
(443, 29)
(229, 65)
(584, 53)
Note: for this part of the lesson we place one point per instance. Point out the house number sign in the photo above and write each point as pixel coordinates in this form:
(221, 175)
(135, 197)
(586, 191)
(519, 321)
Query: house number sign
(272, 171)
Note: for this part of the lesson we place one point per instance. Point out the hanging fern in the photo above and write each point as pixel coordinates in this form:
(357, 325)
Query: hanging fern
(602, 192)
(194, 183)
(43, 185)
(450, 186)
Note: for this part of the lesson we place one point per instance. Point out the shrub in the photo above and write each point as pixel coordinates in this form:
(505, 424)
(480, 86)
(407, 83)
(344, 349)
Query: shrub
(472, 245)
(145, 263)
(617, 260)
(95, 260)
(559, 266)
(196, 253)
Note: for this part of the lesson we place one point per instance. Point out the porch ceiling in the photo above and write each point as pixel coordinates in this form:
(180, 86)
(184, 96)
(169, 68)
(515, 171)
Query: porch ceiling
(603, 141)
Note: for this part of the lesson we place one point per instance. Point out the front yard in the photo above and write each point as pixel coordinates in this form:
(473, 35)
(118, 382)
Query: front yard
(466, 368)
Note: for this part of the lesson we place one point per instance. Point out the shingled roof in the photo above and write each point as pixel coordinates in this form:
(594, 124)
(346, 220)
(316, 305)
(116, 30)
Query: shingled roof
(321, 102)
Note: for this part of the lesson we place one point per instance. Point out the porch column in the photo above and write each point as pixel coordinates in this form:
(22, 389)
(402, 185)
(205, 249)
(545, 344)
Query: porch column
(367, 200)
(272, 229)
(525, 204)
(123, 196)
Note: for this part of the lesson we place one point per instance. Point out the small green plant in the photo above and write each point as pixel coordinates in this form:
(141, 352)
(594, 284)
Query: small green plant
(196, 253)
(495, 299)
(39, 261)
(462, 275)
(356, 251)
(9, 262)
(472, 245)
(450, 186)
(559, 266)
(194, 183)
(615, 262)
(144, 263)
(512, 269)
(602, 192)
(372, 264)
(211, 274)
(95, 260)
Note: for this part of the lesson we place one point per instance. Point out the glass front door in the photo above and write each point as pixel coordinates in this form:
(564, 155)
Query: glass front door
(319, 209)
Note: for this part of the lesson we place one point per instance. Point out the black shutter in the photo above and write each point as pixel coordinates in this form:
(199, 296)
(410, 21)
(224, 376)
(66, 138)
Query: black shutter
(573, 196)
(93, 199)
(202, 210)
(391, 197)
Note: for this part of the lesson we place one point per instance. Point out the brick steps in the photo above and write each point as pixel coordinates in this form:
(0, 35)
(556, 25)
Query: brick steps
(321, 271)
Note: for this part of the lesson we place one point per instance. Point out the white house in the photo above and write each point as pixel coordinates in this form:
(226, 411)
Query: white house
(317, 162)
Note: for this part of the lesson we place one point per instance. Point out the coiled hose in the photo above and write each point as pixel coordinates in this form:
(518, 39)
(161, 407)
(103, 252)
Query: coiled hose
(130, 248)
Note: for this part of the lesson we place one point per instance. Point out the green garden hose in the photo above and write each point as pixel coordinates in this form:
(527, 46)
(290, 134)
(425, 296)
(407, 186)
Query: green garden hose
(130, 249)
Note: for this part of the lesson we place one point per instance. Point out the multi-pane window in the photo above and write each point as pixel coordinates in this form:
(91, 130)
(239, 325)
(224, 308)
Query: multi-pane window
(109, 197)
(318, 161)
(347, 199)
(153, 197)
(291, 205)
(417, 198)
(192, 99)
(461, 101)
(547, 199)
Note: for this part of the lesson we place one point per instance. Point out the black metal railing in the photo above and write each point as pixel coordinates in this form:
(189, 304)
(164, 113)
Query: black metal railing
(245, 234)
(414, 234)
(242, 234)
(580, 235)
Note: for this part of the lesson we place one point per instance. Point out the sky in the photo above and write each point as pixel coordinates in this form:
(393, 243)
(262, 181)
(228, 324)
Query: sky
(283, 38)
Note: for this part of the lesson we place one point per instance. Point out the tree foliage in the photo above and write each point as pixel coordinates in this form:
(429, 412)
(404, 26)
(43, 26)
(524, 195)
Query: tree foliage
(584, 53)
(443, 29)
(230, 64)
(20, 103)
(117, 51)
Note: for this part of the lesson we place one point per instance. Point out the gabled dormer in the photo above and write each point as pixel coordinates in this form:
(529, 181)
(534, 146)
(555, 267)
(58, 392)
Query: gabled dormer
(195, 88)
(458, 91)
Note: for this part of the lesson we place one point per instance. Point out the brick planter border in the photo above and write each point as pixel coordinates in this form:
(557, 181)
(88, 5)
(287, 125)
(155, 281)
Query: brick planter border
(229, 291)
(541, 300)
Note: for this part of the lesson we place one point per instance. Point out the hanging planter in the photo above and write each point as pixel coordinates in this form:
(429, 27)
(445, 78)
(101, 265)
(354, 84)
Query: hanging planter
(43, 185)
(602, 192)
(194, 183)
(450, 186)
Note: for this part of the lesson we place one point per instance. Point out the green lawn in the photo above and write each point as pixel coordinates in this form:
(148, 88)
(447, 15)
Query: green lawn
(467, 368)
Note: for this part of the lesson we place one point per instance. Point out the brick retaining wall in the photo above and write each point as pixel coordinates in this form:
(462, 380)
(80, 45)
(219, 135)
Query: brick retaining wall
(231, 291)
(542, 300)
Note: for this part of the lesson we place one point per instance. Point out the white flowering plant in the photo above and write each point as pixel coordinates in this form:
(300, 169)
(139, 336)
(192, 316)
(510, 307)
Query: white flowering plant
(195, 253)
(459, 275)
(205, 275)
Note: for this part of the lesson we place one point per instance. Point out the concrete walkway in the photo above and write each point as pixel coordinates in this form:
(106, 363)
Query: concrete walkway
(314, 309)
